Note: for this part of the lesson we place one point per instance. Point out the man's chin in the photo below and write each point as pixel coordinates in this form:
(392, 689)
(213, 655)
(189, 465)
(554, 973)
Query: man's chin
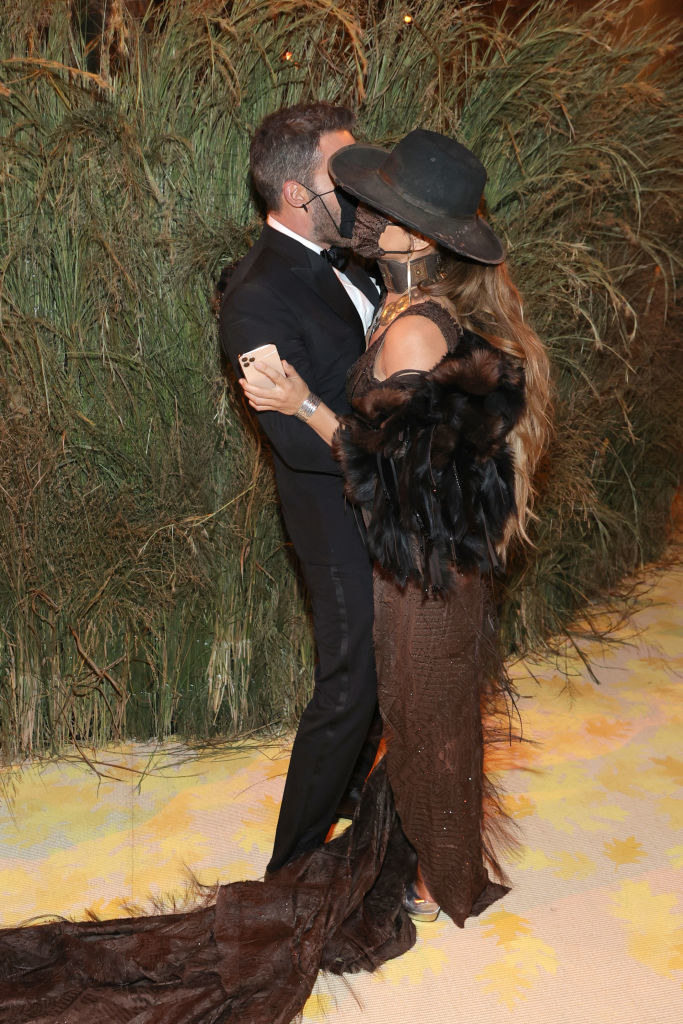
(326, 235)
(329, 240)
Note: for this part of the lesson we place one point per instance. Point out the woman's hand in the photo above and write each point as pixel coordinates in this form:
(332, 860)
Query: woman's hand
(287, 395)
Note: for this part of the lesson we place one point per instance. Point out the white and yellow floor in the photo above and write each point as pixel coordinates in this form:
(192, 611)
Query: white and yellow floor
(592, 932)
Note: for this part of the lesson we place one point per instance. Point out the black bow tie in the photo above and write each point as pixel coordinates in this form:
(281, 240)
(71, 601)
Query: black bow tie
(336, 256)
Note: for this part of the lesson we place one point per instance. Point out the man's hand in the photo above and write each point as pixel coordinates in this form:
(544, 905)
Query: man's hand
(287, 395)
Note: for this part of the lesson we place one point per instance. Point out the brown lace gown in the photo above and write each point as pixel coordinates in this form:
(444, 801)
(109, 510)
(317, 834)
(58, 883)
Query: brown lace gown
(252, 957)
(441, 682)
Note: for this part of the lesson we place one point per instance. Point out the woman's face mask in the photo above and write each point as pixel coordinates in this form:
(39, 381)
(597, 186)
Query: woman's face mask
(367, 229)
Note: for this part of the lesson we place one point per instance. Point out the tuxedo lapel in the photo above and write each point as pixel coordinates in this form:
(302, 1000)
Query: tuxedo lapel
(362, 280)
(325, 283)
(315, 272)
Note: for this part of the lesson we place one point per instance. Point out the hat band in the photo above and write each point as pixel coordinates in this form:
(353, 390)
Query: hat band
(421, 203)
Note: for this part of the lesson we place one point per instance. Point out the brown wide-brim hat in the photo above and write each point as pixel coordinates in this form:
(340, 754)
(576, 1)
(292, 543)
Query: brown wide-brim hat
(428, 182)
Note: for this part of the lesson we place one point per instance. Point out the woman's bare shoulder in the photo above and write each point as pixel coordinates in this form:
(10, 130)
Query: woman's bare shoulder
(411, 342)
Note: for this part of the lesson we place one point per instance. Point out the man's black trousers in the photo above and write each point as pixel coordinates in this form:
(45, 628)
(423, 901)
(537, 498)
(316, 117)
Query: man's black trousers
(335, 723)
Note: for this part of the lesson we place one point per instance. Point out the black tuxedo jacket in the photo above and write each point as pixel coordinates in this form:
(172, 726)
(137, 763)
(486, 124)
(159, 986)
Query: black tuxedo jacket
(286, 294)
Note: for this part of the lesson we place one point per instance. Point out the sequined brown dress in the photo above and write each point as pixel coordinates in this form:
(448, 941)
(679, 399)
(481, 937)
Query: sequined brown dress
(253, 956)
(440, 683)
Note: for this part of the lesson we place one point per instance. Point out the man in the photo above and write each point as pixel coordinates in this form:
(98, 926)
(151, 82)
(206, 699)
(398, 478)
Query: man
(286, 293)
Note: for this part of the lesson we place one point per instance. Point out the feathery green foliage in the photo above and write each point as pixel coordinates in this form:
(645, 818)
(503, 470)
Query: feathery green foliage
(145, 583)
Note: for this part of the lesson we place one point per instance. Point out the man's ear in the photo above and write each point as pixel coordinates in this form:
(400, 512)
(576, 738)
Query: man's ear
(295, 194)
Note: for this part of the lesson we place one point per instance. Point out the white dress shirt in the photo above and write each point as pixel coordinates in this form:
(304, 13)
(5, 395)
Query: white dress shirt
(365, 308)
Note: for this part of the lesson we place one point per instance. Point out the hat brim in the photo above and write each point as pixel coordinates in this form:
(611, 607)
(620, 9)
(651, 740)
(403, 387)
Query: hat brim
(355, 169)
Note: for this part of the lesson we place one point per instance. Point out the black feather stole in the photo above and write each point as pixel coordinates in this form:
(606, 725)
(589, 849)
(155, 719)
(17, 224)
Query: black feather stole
(426, 457)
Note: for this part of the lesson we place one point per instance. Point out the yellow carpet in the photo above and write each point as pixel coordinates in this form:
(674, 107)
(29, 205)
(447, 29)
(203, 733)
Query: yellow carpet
(592, 931)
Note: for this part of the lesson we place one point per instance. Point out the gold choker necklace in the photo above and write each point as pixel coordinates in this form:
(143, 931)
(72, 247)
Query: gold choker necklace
(390, 311)
(400, 277)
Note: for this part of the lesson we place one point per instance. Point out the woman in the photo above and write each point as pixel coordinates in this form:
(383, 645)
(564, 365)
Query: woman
(440, 456)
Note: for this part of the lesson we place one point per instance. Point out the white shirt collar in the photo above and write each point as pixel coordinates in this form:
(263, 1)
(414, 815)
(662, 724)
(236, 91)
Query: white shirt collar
(272, 221)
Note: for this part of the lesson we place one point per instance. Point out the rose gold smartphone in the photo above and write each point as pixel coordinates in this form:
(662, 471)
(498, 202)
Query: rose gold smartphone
(267, 354)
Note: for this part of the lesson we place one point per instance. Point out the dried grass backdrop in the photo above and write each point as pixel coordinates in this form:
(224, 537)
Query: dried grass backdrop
(145, 588)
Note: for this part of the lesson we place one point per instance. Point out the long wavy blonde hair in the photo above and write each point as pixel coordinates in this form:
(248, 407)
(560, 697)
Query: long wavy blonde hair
(484, 299)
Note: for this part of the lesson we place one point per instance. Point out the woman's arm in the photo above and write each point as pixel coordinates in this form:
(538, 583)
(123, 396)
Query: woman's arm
(411, 343)
(286, 397)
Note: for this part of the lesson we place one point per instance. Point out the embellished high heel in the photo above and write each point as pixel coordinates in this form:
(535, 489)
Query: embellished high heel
(419, 908)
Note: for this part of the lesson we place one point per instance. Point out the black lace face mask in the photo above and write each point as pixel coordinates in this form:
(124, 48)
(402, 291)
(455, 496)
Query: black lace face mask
(367, 230)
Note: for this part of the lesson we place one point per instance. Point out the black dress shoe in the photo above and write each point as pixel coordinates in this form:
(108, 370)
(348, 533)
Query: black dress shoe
(348, 803)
